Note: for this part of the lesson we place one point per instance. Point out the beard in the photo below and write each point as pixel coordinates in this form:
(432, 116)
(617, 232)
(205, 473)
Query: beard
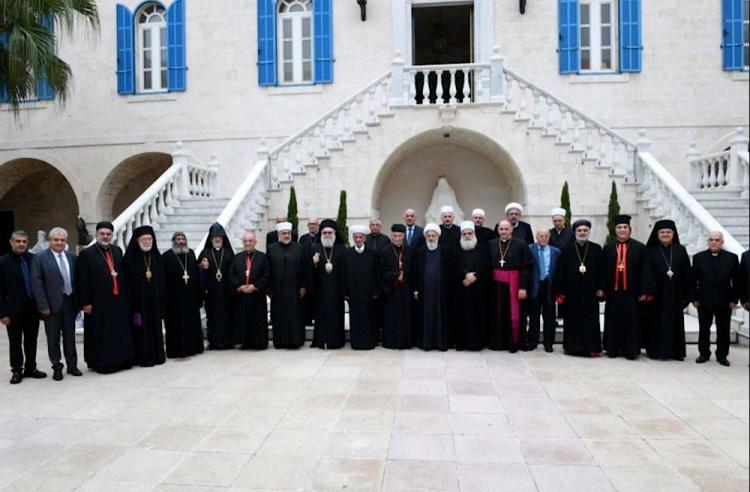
(145, 249)
(285, 240)
(432, 246)
(328, 242)
(180, 249)
(468, 244)
(582, 239)
(103, 244)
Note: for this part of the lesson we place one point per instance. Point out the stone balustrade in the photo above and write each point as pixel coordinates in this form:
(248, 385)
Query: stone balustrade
(720, 171)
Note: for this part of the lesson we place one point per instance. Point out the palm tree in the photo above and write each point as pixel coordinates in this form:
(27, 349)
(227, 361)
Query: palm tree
(27, 45)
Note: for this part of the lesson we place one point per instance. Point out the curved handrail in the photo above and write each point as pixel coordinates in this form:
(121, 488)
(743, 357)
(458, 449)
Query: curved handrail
(328, 114)
(569, 108)
(691, 204)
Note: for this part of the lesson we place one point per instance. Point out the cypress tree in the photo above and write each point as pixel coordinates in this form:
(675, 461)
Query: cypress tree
(291, 211)
(341, 228)
(612, 212)
(565, 203)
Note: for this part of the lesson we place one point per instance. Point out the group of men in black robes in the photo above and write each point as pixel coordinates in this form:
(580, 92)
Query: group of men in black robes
(465, 287)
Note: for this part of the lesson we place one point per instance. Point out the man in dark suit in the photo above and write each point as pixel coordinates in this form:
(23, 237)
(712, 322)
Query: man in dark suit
(743, 282)
(53, 283)
(716, 272)
(18, 309)
(414, 233)
(540, 293)
(559, 235)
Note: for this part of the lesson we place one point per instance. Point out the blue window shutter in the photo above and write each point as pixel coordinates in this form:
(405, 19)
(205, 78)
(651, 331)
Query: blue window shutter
(323, 34)
(266, 42)
(125, 60)
(630, 36)
(176, 66)
(43, 90)
(568, 35)
(731, 11)
(3, 89)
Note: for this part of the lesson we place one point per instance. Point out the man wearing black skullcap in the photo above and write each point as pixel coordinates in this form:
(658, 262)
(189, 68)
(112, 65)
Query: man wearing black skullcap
(143, 278)
(670, 266)
(629, 285)
(183, 296)
(396, 286)
(579, 285)
(107, 340)
(328, 283)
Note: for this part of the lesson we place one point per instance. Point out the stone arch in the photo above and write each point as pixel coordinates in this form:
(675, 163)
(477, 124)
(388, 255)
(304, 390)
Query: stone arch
(36, 195)
(482, 173)
(128, 180)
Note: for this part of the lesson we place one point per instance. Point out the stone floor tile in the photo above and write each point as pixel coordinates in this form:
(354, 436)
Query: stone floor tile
(732, 479)
(416, 446)
(487, 449)
(424, 403)
(540, 426)
(623, 452)
(657, 478)
(175, 437)
(403, 476)
(215, 469)
(495, 477)
(274, 472)
(348, 474)
(697, 454)
(570, 478)
(555, 451)
(142, 465)
(475, 404)
(480, 424)
(363, 445)
(436, 423)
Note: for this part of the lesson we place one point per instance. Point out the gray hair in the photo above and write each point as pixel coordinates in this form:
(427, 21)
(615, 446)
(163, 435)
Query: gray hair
(18, 233)
(58, 231)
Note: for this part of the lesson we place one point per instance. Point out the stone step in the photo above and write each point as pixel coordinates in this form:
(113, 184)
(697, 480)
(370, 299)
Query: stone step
(192, 218)
(203, 203)
(190, 211)
(731, 203)
(728, 212)
(716, 194)
(733, 221)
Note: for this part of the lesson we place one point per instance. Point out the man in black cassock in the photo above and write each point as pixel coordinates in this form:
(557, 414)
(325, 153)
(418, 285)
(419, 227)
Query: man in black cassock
(328, 279)
(511, 262)
(107, 338)
(450, 233)
(376, 241)
(483, 234)
(521, 230)
(290, 276)
(472, 296)
(183, 300)
(433, 275)
(716, 271)
(629, 285)
(249, 278)
(673, 275)
(361, 290)
(307, 241)
(143, 277)
(214, 262)
(18, 309)
(560, 236)
(396, 286)
(743, 282)
(579, 285)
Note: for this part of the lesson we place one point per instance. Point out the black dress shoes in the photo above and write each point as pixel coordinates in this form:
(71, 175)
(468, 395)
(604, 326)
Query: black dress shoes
(34, 374)
(73, 371)
(16, 378)
(702, 359)
(548, 349)
(57, 375)
(724, 362)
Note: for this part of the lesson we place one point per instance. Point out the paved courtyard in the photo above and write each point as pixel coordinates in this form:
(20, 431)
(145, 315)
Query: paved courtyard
(381, 420)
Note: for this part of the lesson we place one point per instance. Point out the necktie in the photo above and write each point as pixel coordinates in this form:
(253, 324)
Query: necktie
(26, 276)
(542, 264)
(411, 231)
(67, 285)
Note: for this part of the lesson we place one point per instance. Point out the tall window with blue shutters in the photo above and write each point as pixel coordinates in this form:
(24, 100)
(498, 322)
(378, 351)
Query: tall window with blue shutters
(295, 42)
(599, 36)
(735, 33)
(151, 48)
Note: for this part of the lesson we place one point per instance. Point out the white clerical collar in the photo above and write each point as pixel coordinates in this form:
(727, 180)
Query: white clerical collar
(359, 249)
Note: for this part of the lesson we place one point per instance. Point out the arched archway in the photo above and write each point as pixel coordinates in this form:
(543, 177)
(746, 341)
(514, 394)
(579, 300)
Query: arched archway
(128, 180)
(482, 174)
(34, 196)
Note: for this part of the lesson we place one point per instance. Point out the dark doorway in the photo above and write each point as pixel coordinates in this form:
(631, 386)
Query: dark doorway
(443, 35)
(6, 228)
